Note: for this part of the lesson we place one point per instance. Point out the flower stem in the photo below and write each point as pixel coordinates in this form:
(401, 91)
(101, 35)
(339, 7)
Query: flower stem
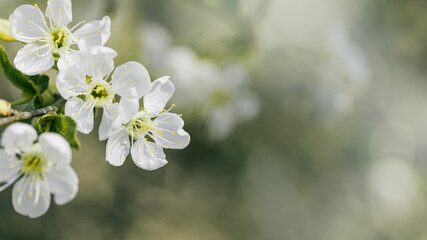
(17, 116)
(22, 101)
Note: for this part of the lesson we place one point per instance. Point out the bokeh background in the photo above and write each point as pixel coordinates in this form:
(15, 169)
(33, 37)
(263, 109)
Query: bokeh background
(308, 121)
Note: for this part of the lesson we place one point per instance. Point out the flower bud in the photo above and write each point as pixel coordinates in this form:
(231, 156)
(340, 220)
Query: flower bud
(5, 33)
(4, 108)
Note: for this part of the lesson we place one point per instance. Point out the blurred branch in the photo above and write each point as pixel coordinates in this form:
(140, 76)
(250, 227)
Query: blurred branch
(18, 116)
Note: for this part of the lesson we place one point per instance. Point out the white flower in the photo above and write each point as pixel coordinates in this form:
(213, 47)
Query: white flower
(230, 102)
(39, 167)
(345, 74)
(85, 86)
(53, 42)
(154, 122)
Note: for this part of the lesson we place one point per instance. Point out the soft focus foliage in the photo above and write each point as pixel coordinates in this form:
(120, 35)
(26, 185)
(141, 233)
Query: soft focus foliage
(307, 118)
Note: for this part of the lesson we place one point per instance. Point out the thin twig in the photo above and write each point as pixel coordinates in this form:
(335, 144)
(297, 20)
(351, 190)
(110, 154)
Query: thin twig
(17, 116)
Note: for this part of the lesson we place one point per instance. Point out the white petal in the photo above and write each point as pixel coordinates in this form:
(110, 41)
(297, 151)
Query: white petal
(81, 112)
(118, 148)
(131, 75)
(64, 183)
(24, 200)
(172, 135)
(97, 65)
(129, 107)
(148, 156)
(32, 60)
(18, 137)
(9, 167)
(55, 148)
(160, 93)
(71, 82)
(59, 11)
(109, 52)
(93, 33)
(68, 59)
(109, 117)
(27, 23)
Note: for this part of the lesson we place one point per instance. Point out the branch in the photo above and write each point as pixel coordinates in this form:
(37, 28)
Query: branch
(17, 116)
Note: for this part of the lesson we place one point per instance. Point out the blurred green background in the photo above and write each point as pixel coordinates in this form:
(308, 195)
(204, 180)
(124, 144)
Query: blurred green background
(331, 144)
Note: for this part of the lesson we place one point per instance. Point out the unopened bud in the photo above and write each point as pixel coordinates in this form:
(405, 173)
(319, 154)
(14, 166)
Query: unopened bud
(5, 33)
(4, 108)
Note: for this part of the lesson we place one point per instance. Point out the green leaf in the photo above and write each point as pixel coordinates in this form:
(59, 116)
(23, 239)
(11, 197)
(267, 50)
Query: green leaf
(30, 85)
(61, 124)
(41, 81)
(16, 77)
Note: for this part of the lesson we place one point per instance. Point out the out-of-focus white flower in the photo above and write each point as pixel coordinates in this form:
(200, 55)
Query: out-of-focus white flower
(222, 93)
(39, 167)
(154, 122)
(191, 73)
(345, 72)
(188, 71)
(230, 102)
(85, 86)
(49, 43)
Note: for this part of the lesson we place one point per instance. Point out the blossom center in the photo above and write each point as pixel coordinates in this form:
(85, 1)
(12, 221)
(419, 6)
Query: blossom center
(140, 126)
(100, 91)
(59, 40)
(33, 163)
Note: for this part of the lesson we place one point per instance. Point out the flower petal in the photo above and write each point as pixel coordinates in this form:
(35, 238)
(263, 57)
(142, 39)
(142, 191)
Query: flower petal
(131, 75)
(93, 33)
(68, 59)
(59, 11)
(172, 135)
(118, 148)
(27, 23)
(81, 112)
(129, 107)
(18, 137)
(33, 59)
(63, 183)
(98, 63)
(160, 93)
(55, 148)
(148, 156)
(109, 117)
(32, 199)
(71, 82)
(9, 167)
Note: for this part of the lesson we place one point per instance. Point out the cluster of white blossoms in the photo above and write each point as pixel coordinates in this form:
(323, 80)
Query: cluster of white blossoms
(86, 80)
